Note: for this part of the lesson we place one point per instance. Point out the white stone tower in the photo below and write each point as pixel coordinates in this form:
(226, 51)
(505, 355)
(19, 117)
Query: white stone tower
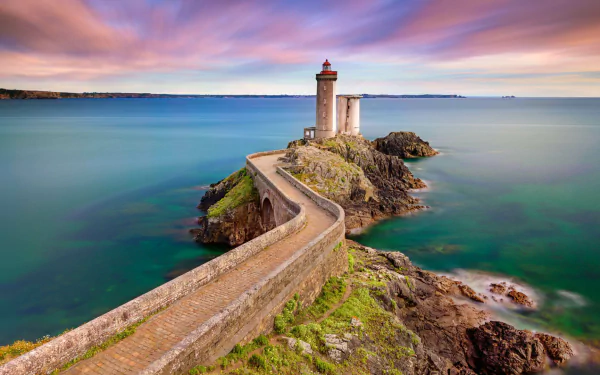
(349, 114)
(326, 124)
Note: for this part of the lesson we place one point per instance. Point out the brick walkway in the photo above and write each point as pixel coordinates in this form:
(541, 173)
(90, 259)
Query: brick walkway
(160, 333)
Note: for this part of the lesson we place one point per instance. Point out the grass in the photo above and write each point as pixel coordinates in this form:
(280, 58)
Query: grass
(258, 361)
(287, 315)
(242, 192)
(324, 367)
(331, 294)
(106, 344)
(380, 337)
(20, 347)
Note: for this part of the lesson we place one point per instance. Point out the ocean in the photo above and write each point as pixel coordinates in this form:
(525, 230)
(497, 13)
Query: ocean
(98, 196)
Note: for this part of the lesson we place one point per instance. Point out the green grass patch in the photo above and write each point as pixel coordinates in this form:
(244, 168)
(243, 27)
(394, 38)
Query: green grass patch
(338, 246)
(331, 293)
(20, 347)
(350, 263)
(258, 361)
(242, 192)
(106, 344)
(286, 317)
(324, 367)
(201, 370)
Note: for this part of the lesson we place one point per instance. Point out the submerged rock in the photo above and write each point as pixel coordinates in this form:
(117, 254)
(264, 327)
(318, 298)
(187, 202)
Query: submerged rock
(510, 291)
(520, 298)
(405, 145)
(468, 292)
(498, 288)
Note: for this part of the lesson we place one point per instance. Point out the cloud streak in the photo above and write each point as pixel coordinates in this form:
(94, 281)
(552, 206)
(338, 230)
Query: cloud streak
(82, 43)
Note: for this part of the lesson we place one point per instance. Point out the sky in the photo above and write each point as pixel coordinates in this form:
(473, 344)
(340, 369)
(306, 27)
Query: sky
(467, 47)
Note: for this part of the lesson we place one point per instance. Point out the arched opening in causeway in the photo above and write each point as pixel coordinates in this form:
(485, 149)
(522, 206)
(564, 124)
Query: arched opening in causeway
(268, 215)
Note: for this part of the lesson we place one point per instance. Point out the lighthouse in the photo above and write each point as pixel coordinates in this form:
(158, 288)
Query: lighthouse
(326, 99)
(348, 113)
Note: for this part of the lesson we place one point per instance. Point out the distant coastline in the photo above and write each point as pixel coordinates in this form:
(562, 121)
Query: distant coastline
(7, 94)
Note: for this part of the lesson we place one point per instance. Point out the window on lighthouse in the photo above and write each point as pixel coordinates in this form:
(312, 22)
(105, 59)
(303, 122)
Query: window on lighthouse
(324, 101)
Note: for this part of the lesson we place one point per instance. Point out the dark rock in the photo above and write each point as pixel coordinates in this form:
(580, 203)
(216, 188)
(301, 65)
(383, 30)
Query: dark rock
(233, 228)
(468, 292)
(405, 145)
(455, 337)
(520, 298)
(499, 348)
(237, 222)
(557, 349)
(499, 288)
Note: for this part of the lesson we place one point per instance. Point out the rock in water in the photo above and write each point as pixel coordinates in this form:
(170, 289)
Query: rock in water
(234, 227)
(405, 145)
(233, 212)
(520, 298)
(499, 348)
(557, 349)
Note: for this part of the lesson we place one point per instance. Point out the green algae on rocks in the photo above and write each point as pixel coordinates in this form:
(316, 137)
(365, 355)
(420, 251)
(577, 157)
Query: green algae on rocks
(386, 316)
(232, 212)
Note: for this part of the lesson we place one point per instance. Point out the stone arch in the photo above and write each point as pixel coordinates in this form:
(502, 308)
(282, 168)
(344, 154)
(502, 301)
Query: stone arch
(268, 215)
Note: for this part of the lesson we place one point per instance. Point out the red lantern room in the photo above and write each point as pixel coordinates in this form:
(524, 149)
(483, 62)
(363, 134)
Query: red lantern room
(327, 68)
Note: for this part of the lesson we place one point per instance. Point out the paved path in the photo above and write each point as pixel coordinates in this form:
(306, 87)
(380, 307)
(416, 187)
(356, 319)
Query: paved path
(160, 333)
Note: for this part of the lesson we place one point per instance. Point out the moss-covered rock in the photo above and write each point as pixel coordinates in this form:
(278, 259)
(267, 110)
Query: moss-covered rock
(233, 211)
(330, 175)
(333, 167)
(387, 317)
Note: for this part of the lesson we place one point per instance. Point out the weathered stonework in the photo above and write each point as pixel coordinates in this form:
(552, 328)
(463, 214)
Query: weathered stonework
(251, 313)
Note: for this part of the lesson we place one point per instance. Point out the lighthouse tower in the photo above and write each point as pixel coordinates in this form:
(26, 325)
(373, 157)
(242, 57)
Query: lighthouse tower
(326, 98)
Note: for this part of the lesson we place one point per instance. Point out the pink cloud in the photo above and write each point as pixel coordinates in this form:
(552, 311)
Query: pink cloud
(89, 39)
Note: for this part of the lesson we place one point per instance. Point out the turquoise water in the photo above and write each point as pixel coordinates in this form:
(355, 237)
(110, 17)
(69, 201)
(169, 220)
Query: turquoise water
(97, 196)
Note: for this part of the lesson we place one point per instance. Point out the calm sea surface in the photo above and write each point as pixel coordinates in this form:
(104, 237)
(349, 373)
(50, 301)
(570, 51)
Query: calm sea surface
(97, 196)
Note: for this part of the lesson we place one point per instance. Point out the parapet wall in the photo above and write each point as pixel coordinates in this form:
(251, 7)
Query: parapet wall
(284, 208)
(249, 315)
(75, 343)
(252, 313)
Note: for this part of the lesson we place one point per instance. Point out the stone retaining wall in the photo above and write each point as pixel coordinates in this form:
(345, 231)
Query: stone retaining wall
(249, 315)
(252, 313)
(284, 211)
(72, 344)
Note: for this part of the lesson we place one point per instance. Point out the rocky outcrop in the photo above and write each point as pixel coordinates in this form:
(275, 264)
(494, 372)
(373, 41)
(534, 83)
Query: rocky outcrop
(234, 227)
(514, 296)
(405, 145)
(557, 349)
(330, 175)
(457, 338)
(377, 189)
(499, 348)
(520, 298)
(233, 212)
